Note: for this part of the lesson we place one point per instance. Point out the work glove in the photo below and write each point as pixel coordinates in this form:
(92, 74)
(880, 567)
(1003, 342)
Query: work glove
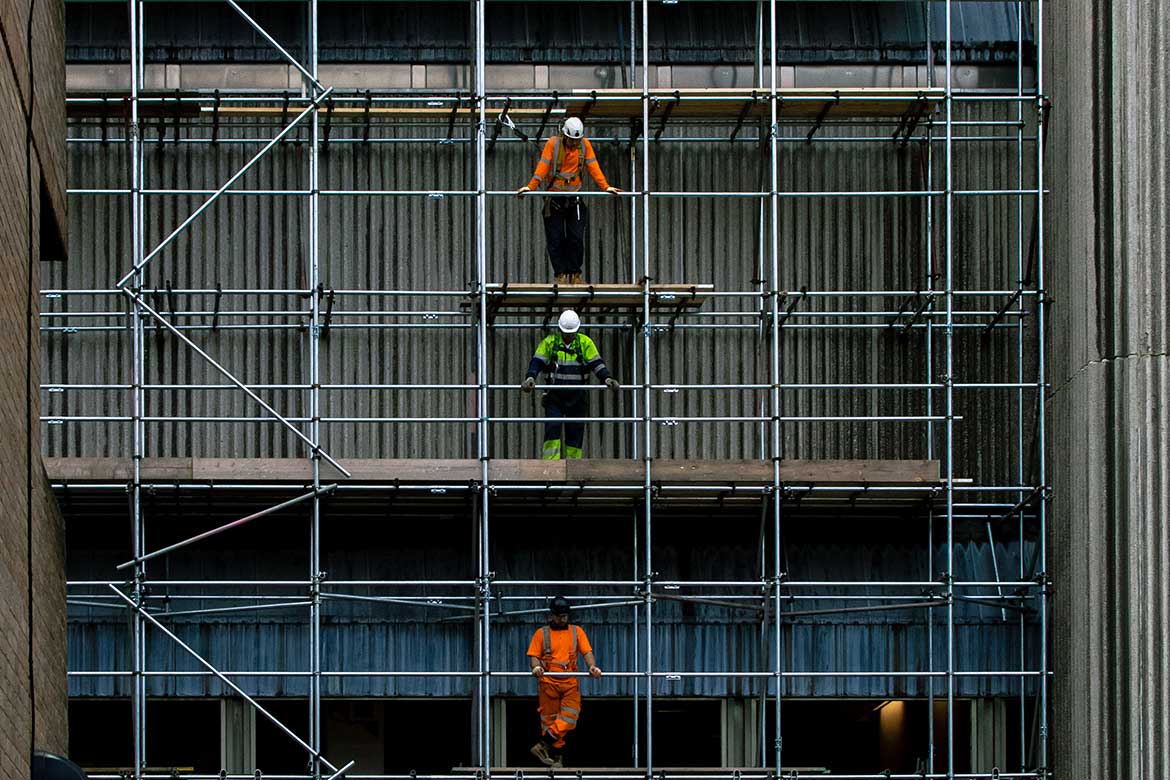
(520, 193)
(594, 671)
(612, 383)
(613, 190)
(538, 672)
(527, 385)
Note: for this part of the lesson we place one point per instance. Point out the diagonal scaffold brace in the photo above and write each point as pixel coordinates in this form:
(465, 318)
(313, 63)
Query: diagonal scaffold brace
(313, 446)
(138, 608)
(139, 265)
(228, 526)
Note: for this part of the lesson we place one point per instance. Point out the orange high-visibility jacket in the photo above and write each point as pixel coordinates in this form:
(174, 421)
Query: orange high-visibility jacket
(566, 177)
(558, 650)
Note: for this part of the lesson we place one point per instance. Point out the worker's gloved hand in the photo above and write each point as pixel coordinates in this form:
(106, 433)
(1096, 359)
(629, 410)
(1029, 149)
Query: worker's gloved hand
(612, 383)
(520, 193)
(613, 190)
(527, 385)
(538, 672)
(595, 671)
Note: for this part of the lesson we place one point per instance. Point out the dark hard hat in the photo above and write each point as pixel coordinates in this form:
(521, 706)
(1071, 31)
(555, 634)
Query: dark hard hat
(46, 766)
(558, 605)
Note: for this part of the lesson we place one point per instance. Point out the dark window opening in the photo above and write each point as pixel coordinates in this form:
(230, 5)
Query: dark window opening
(686, 733)
(180, 733)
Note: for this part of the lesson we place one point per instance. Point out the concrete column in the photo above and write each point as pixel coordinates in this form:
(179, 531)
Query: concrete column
(741, 732)
(1107, 72)
(988, 735)
(237, 736)
(500, 731)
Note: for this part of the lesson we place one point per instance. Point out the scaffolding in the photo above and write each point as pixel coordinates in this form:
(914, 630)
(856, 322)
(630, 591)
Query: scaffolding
(939, 309)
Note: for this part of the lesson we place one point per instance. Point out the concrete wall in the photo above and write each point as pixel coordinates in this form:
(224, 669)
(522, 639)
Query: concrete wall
(32, 202)
(1107, 233)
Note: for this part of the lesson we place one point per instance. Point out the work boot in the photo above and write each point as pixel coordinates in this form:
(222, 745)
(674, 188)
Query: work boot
(576, 279)
(561, 279)
(542, 753)
(558, 762)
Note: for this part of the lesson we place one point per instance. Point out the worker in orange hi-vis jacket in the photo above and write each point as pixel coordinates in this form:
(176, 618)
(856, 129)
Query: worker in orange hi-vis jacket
(564, 159)
(555, 648)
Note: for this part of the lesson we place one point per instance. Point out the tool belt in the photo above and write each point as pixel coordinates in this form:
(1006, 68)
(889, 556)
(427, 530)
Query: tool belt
(561, 204)
(572, 404)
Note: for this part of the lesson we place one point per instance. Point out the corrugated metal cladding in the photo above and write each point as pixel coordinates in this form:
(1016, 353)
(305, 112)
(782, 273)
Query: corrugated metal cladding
(423, 244)
(365, 636)
(711, 32)
(1107, 235)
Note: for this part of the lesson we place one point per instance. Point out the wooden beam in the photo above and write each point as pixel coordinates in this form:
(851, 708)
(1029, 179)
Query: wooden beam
(516, 471)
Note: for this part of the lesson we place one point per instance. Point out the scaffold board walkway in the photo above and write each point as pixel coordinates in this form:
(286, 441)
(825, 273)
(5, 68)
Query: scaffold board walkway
(659, 772)
(818, 103)
(596, 471)
(796, 102)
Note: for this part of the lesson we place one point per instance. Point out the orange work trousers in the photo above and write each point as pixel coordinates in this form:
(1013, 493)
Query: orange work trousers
(560, 706)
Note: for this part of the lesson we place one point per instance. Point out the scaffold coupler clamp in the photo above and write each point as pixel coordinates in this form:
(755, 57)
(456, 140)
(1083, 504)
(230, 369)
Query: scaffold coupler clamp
(483, 584)
(645, 591)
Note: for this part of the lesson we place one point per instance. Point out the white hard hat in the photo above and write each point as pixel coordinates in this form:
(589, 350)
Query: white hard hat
(573, 128)
(569, 321)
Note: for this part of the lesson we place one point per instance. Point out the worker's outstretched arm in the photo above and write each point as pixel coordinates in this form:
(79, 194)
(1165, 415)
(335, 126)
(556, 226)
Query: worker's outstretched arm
(543, 168)
(591, 665)
(594, 168)
(541, 358)
(593, 360)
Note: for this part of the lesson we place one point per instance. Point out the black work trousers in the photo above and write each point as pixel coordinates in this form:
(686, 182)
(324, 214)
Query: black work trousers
(566, 222)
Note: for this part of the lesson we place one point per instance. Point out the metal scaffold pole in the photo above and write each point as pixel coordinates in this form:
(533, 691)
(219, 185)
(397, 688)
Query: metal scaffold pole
(1042, 762)
(948, 382)
(314, 398)
(483, 441)
(774, 380)
(137, 380)
(648, 445)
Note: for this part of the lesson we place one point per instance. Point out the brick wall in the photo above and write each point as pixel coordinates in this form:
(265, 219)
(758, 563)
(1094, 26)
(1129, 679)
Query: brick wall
(32, 178)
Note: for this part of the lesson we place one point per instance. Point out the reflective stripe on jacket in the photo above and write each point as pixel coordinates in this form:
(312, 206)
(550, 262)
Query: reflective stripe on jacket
(559, 168)
(569, 363)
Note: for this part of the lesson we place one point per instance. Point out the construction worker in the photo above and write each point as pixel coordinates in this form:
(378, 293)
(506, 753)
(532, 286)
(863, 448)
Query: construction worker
(566, 220)
(555, 648)
(568, 357)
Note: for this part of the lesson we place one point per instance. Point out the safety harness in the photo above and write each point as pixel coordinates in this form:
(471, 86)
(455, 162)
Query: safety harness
(573, 350)
(546, 655)
(558, 160)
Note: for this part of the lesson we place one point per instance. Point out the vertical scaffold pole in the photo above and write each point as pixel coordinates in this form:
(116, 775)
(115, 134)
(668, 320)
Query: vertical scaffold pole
(1021, 473)
(137, 406)
(949, 384)
(314, 278)
(928, 283)
(647, 445)
(482, 440)
(1041, 303)
(774, 381)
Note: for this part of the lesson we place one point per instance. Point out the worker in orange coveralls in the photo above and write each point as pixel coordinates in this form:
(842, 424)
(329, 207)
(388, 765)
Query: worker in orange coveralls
(555, 648)
(565, 157)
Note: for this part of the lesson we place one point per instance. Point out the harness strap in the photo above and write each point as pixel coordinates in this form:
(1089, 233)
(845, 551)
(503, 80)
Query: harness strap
(558, 158)
(546, 636)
